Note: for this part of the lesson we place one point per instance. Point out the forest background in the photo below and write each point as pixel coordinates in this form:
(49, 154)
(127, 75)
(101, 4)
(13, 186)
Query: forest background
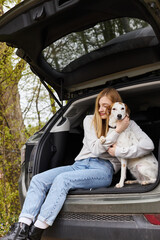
(25, 105)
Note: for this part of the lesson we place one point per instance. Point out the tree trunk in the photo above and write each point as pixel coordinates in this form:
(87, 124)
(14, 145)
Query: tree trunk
(10, 110)
(12, 132)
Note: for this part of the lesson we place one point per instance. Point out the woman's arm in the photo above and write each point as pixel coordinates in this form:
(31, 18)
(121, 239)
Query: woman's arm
(111, 138)
(143, 147)
(91, 141)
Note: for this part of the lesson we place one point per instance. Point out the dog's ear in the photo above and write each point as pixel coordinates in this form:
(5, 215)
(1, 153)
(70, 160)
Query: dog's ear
(127, 110)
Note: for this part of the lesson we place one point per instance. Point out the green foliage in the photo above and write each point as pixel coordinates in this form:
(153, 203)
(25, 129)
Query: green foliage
(11, 132)
(30, 130)
(10, 167)
(9, 210)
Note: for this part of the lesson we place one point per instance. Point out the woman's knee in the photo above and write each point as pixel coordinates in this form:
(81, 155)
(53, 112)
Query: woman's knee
(36, 180)
(62, 181)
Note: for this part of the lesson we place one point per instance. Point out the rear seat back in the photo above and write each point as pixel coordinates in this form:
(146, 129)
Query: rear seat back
(149, 121)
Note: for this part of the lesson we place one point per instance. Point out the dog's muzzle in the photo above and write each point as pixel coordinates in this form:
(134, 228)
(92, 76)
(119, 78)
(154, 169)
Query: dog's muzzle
(119, 116)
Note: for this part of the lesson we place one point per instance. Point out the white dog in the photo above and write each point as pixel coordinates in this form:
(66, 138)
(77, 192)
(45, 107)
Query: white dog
(144, 169)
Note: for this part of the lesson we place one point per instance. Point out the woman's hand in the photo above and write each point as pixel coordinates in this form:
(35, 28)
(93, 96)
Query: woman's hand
(111, 150)
(122, 124)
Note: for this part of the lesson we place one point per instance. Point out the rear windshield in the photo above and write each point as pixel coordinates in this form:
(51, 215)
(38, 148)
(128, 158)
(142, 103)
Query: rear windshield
(77, 44)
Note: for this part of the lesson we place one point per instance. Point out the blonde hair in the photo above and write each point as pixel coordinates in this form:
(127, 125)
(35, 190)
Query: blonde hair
(101, 126)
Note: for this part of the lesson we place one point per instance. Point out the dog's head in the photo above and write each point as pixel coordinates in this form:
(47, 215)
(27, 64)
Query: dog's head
(119, 110)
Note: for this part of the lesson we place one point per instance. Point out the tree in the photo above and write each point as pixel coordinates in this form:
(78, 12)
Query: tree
(12, 131)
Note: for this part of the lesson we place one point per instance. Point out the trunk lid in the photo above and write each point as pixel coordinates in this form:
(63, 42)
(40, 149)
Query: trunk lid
(35, 27)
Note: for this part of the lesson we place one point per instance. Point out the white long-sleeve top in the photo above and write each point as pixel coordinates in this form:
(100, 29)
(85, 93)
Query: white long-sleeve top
(92, 146)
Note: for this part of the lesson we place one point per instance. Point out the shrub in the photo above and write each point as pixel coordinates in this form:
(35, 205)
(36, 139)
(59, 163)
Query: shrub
(9, 206)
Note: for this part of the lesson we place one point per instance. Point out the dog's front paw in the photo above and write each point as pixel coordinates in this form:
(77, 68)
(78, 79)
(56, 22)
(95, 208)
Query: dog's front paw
(128, 182)
(145, 183)
(119, 185)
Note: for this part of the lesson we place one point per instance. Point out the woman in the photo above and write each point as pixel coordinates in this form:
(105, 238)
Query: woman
(93, 168)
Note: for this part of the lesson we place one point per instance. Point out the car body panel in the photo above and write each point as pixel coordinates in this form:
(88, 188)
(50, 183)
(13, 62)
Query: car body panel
(93, 227)
(115, 203)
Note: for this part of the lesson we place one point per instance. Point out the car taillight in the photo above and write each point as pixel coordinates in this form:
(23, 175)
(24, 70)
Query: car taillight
(153, 218)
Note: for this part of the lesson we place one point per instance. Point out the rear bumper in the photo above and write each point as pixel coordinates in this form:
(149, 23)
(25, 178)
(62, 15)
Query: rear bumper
(102, 227)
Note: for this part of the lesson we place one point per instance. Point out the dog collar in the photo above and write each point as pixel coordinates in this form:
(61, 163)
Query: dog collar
(112, 127)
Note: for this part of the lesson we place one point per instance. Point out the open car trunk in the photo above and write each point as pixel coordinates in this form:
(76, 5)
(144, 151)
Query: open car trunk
(64, 141)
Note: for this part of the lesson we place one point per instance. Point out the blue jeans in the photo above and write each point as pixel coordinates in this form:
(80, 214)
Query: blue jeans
(48, 190)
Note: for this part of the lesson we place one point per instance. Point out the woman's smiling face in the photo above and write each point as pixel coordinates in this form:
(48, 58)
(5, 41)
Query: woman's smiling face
(104, 103)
